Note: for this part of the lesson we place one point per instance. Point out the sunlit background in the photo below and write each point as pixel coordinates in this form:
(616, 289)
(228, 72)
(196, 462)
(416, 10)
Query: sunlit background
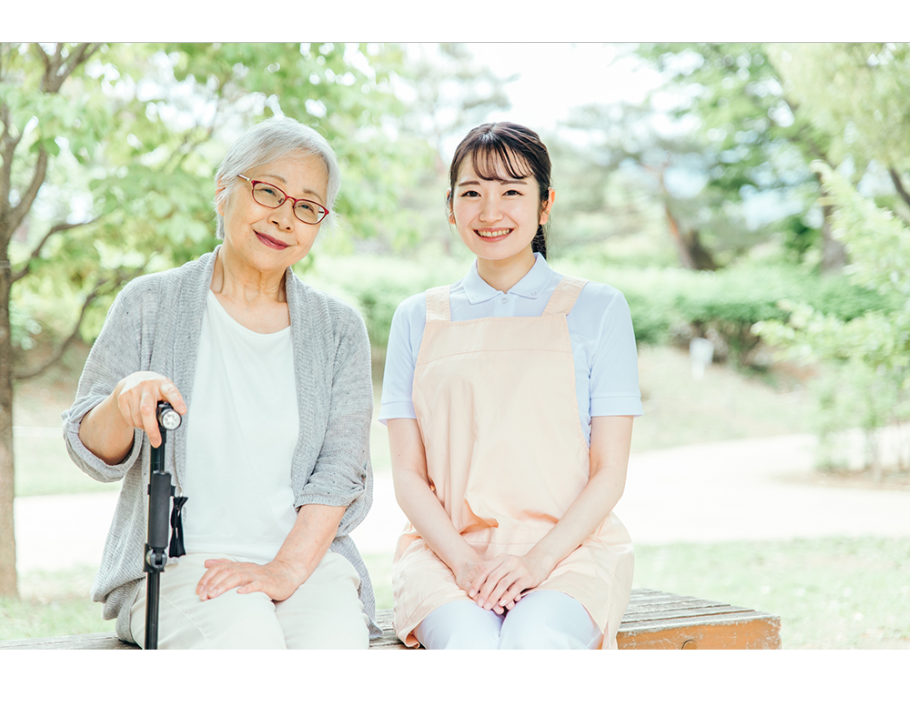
(749, 200)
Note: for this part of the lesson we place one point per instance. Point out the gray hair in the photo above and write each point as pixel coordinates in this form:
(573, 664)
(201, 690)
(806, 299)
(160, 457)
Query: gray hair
(270, 140)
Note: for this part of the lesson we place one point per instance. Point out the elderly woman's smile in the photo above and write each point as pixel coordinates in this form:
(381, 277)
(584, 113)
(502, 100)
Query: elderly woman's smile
(271, 242)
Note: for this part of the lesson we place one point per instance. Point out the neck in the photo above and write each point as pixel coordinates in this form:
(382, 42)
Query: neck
(503, 274)
(243, 284)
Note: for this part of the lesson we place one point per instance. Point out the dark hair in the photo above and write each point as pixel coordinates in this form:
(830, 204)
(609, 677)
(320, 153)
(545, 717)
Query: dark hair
(513, 147)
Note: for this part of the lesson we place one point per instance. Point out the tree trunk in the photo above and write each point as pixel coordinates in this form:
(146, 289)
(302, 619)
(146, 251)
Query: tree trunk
(834, 253)
(8, 583)
(899, 186)
(692, 254)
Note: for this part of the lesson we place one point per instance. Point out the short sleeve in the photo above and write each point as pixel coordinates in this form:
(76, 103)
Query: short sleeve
(405, 336)
(614, 366)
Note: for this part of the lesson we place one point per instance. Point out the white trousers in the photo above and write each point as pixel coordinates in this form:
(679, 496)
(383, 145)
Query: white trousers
(324, 613)
(542, 620)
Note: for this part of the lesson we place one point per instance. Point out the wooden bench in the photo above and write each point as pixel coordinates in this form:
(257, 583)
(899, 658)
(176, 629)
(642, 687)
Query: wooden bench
(655, 620)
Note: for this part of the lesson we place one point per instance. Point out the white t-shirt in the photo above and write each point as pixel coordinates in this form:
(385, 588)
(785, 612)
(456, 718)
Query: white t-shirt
(240, 440)
(600, 329)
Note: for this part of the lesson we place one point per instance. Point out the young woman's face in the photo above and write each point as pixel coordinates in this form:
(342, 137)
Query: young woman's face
(497, 219)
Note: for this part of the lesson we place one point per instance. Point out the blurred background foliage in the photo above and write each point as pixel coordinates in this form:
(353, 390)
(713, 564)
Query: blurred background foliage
(756, 197)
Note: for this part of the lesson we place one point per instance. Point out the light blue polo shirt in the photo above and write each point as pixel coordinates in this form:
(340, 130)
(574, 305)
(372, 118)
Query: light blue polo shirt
(600, 329)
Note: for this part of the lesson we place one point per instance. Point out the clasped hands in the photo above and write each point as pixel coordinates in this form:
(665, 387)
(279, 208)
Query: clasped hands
(498, 583)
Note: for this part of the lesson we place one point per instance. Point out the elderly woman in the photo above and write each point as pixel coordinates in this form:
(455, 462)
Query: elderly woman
(273, 380)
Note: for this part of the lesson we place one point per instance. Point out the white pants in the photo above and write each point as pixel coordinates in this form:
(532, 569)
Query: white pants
(324, 613)
(542, 620)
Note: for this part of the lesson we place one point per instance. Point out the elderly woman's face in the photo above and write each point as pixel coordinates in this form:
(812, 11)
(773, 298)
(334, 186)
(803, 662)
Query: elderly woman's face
(271, 239)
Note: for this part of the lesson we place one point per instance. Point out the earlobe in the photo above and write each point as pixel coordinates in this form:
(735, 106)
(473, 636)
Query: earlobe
(451, 212)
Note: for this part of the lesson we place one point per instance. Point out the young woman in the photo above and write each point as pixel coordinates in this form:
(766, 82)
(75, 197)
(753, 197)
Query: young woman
(509, 398)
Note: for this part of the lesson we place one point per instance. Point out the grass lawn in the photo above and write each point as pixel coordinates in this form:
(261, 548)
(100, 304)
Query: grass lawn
(722, 405)
(829, 593)
(52, 603)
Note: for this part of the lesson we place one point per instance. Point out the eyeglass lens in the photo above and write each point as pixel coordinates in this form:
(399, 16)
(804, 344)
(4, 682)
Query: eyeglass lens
(270, 196)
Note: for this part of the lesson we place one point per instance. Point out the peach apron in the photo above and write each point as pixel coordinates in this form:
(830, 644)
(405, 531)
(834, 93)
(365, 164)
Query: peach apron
(506, 455)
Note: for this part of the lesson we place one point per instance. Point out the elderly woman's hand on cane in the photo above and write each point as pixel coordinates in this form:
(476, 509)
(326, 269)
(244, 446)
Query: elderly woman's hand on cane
(108, 429)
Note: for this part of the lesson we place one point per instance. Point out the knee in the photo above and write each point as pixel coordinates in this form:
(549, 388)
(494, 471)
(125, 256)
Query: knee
(467, 639)
(459, 626)
(538, 637)
(549, 621)
(341, 634)
(250, 630)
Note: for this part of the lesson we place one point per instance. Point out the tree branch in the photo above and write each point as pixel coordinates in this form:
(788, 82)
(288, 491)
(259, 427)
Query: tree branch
(7, 149)
(119, 278)
(18, 213)
(210, 130)
(82, 53)
(36, 253)
(43, 55)
(898, 185)
(51, 65)
(176, 151)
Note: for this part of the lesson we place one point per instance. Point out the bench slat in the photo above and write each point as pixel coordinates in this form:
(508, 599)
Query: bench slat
(93, 641)
(675, 614)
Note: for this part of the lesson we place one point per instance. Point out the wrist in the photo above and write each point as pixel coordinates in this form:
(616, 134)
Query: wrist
(466, 556)
(543, 558)
(293, 570)
(115, 415)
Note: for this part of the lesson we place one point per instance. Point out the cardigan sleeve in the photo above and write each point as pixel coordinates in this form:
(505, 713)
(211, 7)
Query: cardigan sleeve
(342, 475)
(115, 354)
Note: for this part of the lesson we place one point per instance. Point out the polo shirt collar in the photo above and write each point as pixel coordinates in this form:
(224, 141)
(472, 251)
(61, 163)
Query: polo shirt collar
(531, 286)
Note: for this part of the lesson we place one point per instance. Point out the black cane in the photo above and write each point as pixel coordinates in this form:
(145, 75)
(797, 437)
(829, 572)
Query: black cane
(160, 491)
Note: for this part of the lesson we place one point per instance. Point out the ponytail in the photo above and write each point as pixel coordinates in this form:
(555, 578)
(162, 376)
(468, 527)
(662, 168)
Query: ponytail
(539, 243)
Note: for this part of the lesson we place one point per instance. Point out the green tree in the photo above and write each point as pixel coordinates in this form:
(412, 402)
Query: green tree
(736, 135)
(108, 153)
(856, 94)
(867, 358)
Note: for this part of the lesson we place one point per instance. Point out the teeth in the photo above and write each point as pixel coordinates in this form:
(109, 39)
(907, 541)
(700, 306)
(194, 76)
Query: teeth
(490, 234)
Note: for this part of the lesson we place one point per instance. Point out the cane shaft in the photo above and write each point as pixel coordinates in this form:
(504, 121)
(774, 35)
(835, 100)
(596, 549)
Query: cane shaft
(151, 610)
(159, 492)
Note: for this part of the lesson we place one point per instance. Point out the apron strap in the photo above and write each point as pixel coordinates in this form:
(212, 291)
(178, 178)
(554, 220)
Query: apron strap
(438, 304)
(565, 295)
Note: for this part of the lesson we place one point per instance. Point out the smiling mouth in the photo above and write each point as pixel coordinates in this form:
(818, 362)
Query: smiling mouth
(493, 234)
(270, 242)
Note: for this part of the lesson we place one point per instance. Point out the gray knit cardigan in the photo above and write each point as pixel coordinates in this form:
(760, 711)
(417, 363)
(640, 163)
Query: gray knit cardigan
(154, 325)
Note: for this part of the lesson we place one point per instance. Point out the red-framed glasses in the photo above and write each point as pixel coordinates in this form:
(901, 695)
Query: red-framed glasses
(268, 195)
